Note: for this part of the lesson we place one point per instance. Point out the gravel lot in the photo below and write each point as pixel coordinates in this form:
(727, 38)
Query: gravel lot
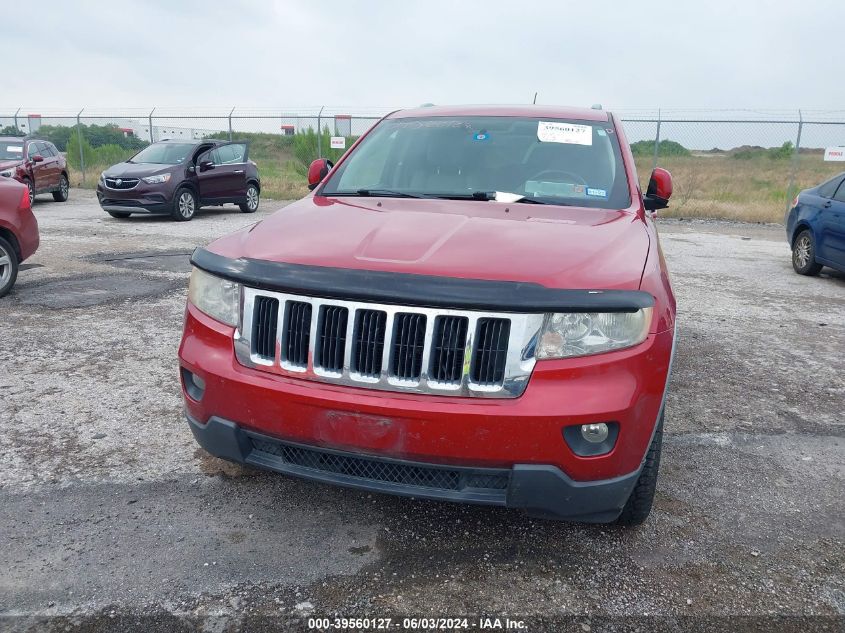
(113, 518)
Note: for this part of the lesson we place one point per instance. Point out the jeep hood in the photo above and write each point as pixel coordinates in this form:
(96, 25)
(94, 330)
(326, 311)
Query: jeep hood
(558, 247)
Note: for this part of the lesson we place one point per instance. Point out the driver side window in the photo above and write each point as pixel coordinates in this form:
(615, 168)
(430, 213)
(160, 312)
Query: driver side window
(230, 154)
(207, 156)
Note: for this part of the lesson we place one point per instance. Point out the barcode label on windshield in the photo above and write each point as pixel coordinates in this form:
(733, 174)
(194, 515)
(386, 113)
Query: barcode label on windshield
(572, 133)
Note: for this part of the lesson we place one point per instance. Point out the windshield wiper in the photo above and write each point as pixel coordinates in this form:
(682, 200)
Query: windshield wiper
(483, 196)
(536, 201)
(380, 193)
(473, 195)
(498, 196)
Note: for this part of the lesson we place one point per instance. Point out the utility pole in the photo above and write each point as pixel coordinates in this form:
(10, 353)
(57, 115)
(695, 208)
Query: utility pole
(794, 167)
(79, 138)
(320, 133)
(656, 140)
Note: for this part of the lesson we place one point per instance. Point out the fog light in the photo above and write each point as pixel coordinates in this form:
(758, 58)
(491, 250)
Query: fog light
(194, 385)
(594, 433)
(590, 440)
(200, 383)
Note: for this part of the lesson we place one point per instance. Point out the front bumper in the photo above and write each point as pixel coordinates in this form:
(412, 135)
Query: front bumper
(626, 387)
(539, 490)
(141, 199)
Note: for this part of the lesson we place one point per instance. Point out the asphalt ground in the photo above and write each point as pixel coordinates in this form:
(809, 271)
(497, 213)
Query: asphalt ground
(113, 519)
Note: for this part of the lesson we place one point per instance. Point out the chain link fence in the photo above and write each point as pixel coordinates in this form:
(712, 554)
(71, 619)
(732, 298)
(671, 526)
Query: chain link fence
(732, 164)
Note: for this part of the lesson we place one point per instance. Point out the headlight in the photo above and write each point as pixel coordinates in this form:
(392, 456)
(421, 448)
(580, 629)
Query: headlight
(103, 177)
(154, 180)
(218, 298)
(583, 333)
(8, 173)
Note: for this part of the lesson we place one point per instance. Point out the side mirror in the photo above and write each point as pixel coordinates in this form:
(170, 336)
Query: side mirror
(659, 190)
(37, 158)
(205, 165)
(318, 170)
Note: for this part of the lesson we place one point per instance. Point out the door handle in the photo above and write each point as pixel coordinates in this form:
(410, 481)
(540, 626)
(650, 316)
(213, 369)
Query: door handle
(239, 171)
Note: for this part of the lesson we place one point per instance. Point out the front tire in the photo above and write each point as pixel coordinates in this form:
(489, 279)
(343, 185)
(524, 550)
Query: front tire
(64, 190)
(804, 254)
(8, 267)
(638, 506)
(252, 200)
(184, 205)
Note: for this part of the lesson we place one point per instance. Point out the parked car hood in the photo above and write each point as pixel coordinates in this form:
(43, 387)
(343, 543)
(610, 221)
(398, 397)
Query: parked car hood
(136, 170)
(5, 164)
(560, 247)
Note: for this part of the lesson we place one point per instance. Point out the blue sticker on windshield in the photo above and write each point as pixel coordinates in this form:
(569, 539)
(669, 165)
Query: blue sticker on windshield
(481, 136)
(598, 193)
(601, 132)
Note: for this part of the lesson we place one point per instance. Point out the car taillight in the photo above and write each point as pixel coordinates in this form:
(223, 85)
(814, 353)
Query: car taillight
(24, 204)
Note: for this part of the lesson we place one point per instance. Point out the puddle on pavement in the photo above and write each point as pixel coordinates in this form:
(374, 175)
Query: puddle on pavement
(87, 291)
(160, 261)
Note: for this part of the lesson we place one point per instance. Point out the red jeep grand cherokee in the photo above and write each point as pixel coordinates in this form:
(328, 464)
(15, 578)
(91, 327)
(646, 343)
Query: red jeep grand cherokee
(471, 306)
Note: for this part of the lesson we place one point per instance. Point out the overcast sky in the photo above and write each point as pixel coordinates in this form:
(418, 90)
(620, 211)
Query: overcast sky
(359, 54)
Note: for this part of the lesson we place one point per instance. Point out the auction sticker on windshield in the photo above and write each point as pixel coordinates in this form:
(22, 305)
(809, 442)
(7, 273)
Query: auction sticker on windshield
(557, 132)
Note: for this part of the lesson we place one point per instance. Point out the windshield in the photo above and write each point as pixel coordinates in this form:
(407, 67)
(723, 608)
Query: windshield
(11, 150)
(164, 154)
(554, 161)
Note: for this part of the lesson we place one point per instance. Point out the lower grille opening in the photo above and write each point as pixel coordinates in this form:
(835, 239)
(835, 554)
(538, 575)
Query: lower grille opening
(371, 469)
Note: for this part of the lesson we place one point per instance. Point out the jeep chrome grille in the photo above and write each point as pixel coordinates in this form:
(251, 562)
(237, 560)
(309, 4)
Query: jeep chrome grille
(297, 333)
(332, 338)
(447, 352)
(383, 346)
(408, 345)
(264, 323)
(488, 363)
(368, 353)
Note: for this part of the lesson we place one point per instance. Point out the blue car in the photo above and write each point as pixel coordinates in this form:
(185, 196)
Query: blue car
(815, 227)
